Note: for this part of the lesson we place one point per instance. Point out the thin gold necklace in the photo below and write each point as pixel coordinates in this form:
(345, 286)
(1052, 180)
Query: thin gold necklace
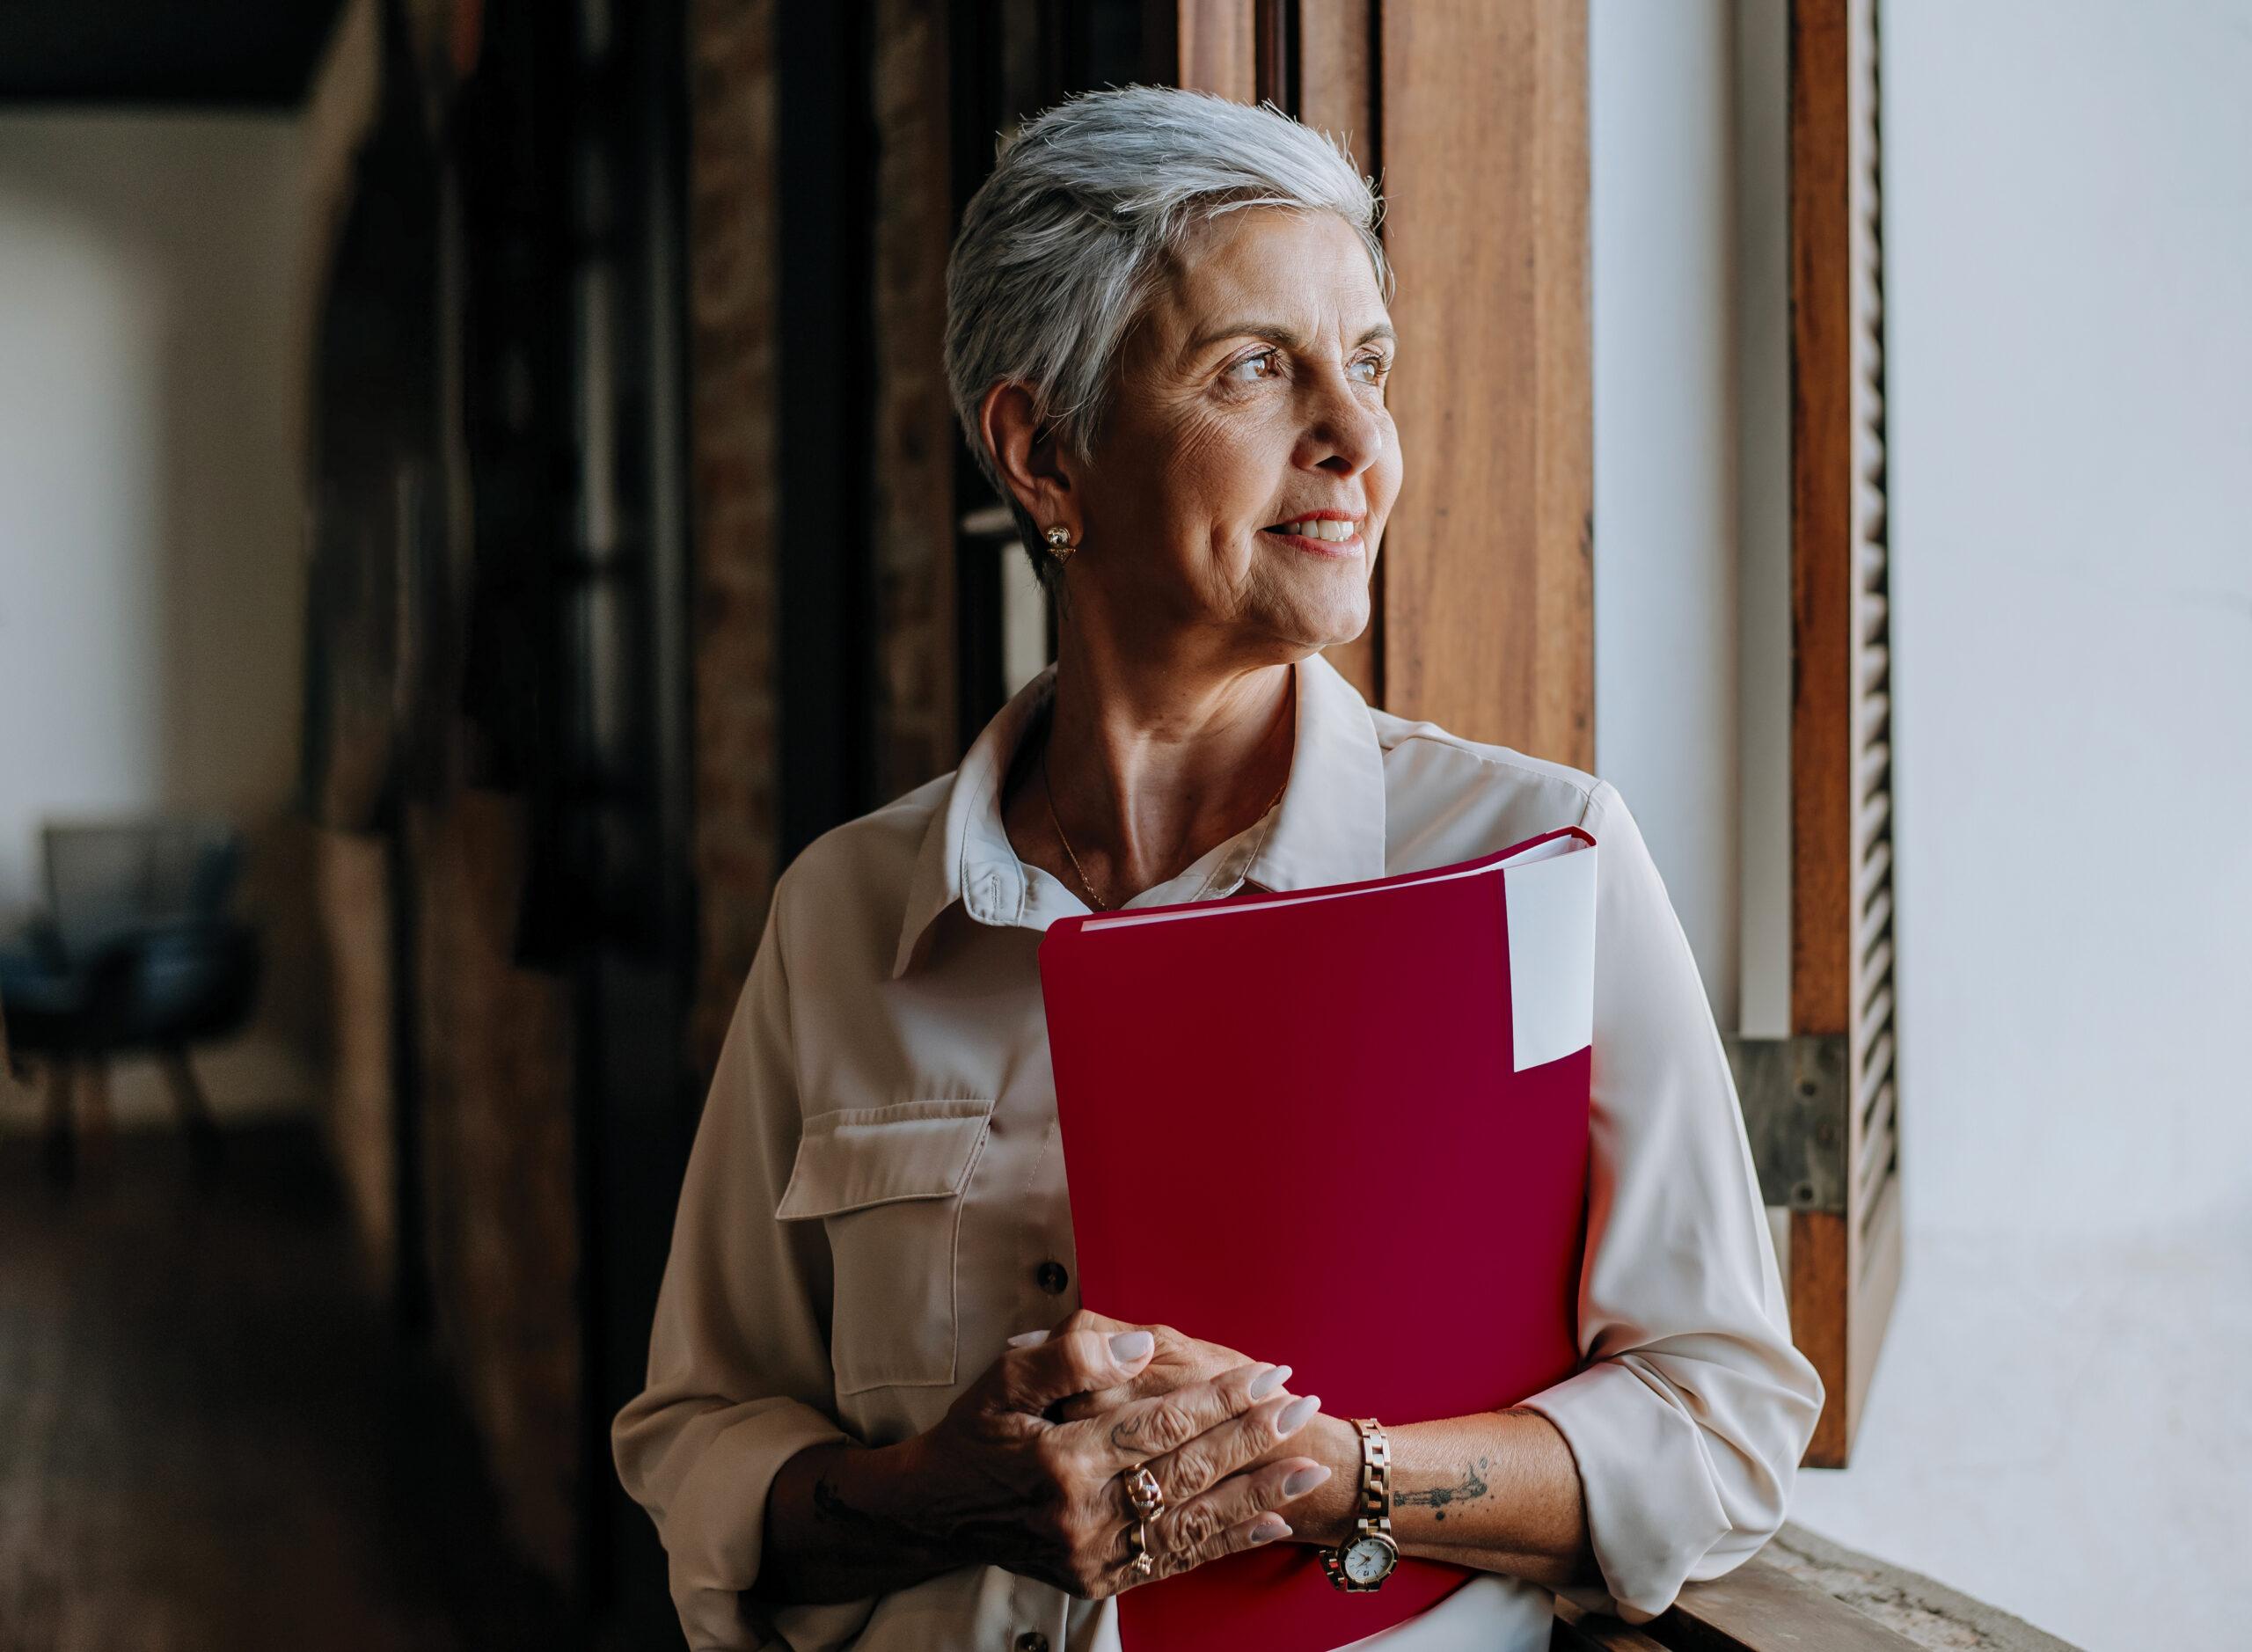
(1080, 872)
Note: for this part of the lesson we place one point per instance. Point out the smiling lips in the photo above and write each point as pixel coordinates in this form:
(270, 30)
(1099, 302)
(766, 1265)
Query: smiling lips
(1323, 529)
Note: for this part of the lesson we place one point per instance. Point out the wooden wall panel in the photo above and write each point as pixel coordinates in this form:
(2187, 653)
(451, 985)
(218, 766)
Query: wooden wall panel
(1336, 93)
(1488, 578)
(1206, 45)
(1844, 1265)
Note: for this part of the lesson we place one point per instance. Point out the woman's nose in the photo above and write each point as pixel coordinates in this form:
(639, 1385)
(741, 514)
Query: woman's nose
(1345, 435)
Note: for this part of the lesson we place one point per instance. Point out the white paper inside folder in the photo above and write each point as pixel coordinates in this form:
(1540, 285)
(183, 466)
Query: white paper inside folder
(1550, 892)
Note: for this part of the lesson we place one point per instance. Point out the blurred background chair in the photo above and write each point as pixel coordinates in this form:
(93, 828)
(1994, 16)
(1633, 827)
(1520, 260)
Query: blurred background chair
(136, 954)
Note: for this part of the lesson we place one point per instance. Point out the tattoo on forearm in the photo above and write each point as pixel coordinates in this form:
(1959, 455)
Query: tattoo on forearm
(831, 1505)
(1438, 1499)
(998, 1541)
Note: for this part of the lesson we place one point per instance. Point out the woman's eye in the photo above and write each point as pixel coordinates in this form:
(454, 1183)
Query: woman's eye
(1254, 367)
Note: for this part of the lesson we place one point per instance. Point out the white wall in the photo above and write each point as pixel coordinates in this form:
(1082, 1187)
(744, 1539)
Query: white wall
(1762, 513)
(2069, 211)
(1662, 226)
(151, 586)
(151, 589)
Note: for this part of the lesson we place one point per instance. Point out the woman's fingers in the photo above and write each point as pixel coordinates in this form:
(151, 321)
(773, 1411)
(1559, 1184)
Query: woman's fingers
(1143, 1430)
(1181, 1360)
(1190, 1529)
(1038, 1375)
(1220, 1450)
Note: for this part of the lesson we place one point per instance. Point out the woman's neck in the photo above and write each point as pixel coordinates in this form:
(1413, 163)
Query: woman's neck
(1152, 762)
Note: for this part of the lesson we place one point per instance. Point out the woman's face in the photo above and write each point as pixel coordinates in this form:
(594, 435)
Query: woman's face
(1250, 400)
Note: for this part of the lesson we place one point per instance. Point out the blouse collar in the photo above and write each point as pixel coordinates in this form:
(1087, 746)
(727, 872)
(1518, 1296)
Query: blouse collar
(1329, 827)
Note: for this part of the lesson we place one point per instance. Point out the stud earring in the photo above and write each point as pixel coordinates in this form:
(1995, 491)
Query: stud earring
(1059, 542)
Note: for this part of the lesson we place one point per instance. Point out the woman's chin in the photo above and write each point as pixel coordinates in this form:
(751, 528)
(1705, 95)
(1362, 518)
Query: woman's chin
(1320, 613)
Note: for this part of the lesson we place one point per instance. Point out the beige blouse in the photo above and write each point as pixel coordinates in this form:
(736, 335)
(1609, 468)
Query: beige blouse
(876, 1198)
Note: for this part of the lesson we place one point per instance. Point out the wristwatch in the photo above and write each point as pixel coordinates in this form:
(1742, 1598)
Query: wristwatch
(1366, 1557)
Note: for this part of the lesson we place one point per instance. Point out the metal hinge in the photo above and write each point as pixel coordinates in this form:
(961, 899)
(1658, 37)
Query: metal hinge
(1793, 1092)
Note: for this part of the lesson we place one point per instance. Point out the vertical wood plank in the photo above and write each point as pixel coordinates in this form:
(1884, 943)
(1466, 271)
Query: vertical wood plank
(1273, 27)
(1821, 1255)
(1336, 90)
(1821, 515)
(1336, 94)
(1488, 588)
(1844, 1265)
(1206, 45)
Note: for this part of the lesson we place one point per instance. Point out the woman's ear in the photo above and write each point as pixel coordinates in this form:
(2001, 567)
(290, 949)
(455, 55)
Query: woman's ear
(1024, 452)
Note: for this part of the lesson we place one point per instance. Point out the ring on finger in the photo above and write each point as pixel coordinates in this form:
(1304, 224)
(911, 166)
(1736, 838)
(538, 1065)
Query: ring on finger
(1144, 1491)
(1137, 1541)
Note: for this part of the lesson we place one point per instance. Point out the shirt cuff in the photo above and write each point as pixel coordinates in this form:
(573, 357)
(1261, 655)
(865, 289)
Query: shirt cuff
(1652, 1510)
(714, 1528)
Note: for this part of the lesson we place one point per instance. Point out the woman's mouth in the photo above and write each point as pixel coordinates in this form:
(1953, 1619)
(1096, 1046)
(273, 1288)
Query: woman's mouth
(1323, 536)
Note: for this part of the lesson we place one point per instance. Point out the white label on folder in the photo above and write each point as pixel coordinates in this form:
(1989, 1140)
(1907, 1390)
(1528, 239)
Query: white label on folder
(1552, 956)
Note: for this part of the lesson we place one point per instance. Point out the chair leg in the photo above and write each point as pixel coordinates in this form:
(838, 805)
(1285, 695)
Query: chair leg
(195, 1120)
(62, 1146)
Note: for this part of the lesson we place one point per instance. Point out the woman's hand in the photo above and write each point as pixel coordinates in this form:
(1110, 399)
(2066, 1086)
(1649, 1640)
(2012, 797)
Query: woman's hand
(999, 1480)
(1179, 1360)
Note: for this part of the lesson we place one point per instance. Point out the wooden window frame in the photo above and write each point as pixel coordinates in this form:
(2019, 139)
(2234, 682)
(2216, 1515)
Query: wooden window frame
(1830, 1105)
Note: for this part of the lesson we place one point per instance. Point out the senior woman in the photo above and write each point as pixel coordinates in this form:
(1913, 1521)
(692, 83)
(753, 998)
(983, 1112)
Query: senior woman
(875, 1414)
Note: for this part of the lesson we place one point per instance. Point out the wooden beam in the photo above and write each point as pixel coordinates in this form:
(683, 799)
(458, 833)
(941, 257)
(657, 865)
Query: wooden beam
(1820, 1267)
(1759, 1607)
(1845, 1266)
(1585, 1624)
(1488, 593)
(1822, 482)
(1336, 93)
(1205, 44)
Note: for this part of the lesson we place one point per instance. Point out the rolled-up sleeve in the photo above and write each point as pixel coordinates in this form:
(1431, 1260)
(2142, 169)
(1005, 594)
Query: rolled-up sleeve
(739, 1372)
(1689, 1420)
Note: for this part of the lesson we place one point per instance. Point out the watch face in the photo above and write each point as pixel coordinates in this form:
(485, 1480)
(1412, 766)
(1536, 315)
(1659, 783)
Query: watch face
(1368, 1560)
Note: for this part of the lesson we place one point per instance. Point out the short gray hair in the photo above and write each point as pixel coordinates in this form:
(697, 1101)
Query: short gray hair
(1063, 246)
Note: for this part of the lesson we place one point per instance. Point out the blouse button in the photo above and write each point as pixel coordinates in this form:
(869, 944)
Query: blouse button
(1052, 1277)
(1032, 1640)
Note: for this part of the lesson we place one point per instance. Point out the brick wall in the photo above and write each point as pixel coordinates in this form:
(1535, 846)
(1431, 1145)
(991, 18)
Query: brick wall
(731, 283)
(496, 1079)
(734, 277)
(499, 1167)
(497, 1175)
(355, 915)
(913, 447)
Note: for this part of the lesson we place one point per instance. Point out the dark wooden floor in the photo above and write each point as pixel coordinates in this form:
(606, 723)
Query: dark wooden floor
(210, 1440)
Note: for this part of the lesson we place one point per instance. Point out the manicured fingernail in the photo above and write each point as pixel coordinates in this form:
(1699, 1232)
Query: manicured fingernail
(1128, 1346)
(1028, 1338)
(1294, 1414)
(1269, 1527)
(1269, 1380)
(1303, 1480)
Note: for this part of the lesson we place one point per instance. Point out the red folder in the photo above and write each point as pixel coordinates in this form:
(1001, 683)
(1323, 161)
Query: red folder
(1298, 1124)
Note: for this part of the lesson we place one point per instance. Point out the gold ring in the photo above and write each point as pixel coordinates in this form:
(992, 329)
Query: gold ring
(1137, 1540)
(1143, 1490)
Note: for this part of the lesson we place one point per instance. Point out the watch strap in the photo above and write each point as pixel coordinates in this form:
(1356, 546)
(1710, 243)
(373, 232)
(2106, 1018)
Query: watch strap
(1373, 1515)
(1376, 1477)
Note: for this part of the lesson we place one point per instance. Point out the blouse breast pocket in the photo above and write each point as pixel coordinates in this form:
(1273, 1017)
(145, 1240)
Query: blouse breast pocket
(887, 1182)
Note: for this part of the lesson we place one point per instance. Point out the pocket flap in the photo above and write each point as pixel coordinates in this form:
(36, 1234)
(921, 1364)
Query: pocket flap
(864, 1156)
